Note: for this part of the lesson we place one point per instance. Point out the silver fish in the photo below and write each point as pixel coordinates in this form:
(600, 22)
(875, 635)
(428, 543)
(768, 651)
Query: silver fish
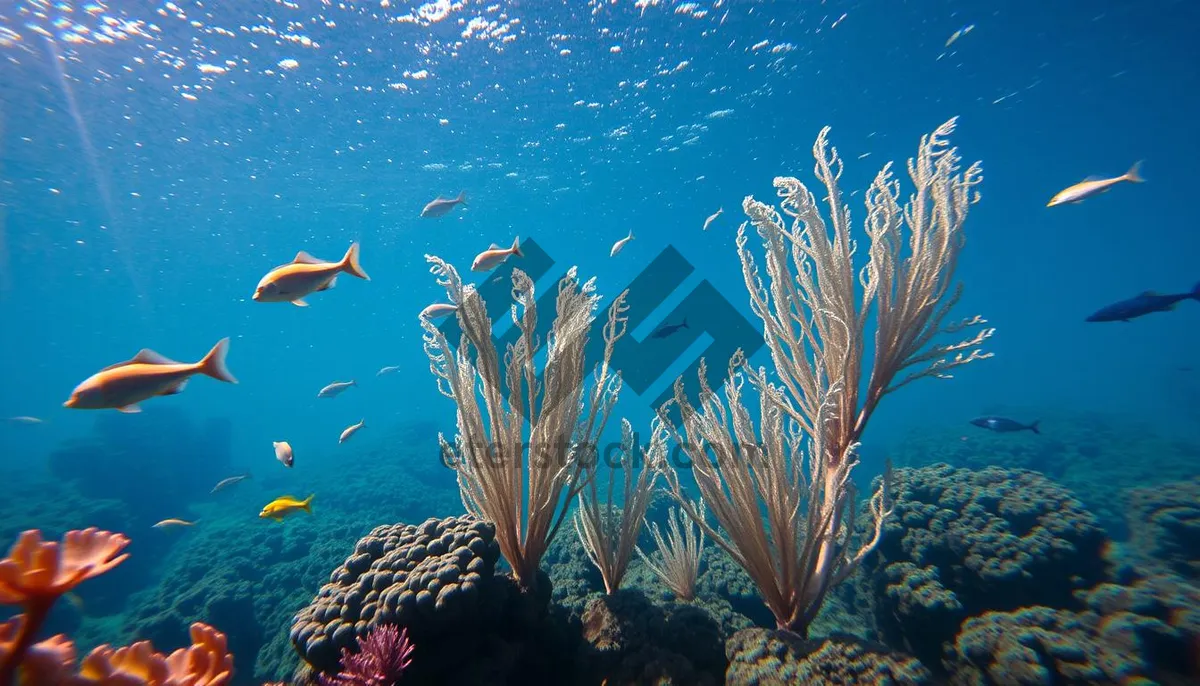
(226, 483)
(387, 370)
(1093, 186)
(620, 244)
(335, 389)
(441, 206)
(350, 431)
(713, 217)
(438, 310)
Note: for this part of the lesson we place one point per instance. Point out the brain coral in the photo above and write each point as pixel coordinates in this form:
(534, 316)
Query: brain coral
(429, 578)
(963, 542)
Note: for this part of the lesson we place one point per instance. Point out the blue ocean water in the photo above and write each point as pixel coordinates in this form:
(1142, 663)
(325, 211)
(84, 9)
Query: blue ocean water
(156, 159)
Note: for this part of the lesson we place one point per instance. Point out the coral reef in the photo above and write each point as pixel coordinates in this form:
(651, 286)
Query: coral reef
(1096, 456)
(437, 581)
(52, 662)
(964, 542)
(1164, 525)
(1127, 634)
(629, 640)
(426, 578)
(761, 657)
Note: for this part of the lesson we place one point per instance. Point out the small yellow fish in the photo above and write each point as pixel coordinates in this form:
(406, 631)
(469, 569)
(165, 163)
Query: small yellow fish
(1089, 187)
(285, 505)
(172, 523)
(304, 275)
(494, 256)
(125, 384)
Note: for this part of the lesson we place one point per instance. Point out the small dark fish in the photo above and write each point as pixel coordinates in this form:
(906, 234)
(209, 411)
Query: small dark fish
(441, 206)
(1004, 425)
(668, 329)
(1143, 304)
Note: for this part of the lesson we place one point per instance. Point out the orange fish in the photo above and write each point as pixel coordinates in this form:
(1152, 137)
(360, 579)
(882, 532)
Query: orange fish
(125, 384)
(494, 256)
(304, 275)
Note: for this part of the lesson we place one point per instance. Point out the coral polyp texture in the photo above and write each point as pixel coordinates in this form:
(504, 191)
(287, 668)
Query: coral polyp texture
(428, 578)
(1141, 633)
(964, 542)
(760, 657)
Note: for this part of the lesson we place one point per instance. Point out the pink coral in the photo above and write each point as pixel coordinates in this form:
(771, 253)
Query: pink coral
(382, 657)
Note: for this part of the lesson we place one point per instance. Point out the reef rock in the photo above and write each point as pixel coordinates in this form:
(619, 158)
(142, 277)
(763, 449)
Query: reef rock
(761, 657)
(964, 542)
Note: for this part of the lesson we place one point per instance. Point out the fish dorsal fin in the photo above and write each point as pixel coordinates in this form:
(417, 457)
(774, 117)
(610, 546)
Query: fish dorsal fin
(148, 356)
(1148, 294)
(285, 497)
(1092, 177)
(304, 258)
(144, 356)
(493, 246)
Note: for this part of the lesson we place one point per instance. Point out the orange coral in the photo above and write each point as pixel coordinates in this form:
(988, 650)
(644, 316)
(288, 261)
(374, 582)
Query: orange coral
(34, 575)
(52, 662)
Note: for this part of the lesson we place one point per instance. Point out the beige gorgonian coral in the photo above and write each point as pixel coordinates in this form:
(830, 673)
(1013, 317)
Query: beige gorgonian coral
(525, 446)
(677, 564)
(788, 526)
(609, 528)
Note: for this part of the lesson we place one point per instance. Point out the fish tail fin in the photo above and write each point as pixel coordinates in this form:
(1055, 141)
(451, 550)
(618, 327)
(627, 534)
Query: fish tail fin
(685, 324)
(630, 238)
(1034, 426)
(1134, 175)
(462, 198)
(350, 263)
(1196, 291)
(213, 363)
(307, 504)
(516, 247)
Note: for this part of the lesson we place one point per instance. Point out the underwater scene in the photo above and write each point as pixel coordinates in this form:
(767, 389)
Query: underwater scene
(599, 342)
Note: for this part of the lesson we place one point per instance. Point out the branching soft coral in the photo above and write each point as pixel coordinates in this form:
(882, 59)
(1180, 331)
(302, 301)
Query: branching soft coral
(52, 662)
(37, 572)
(382, 657)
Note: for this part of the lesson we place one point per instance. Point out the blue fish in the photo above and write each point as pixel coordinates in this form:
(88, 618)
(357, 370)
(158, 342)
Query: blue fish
(1143, 304)
(668, 329)
(1004, 425)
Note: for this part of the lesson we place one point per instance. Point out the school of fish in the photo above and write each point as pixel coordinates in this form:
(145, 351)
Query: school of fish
(124, 385)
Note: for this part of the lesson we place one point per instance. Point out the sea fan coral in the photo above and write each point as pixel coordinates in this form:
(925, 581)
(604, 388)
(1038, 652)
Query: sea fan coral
(382, 657)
